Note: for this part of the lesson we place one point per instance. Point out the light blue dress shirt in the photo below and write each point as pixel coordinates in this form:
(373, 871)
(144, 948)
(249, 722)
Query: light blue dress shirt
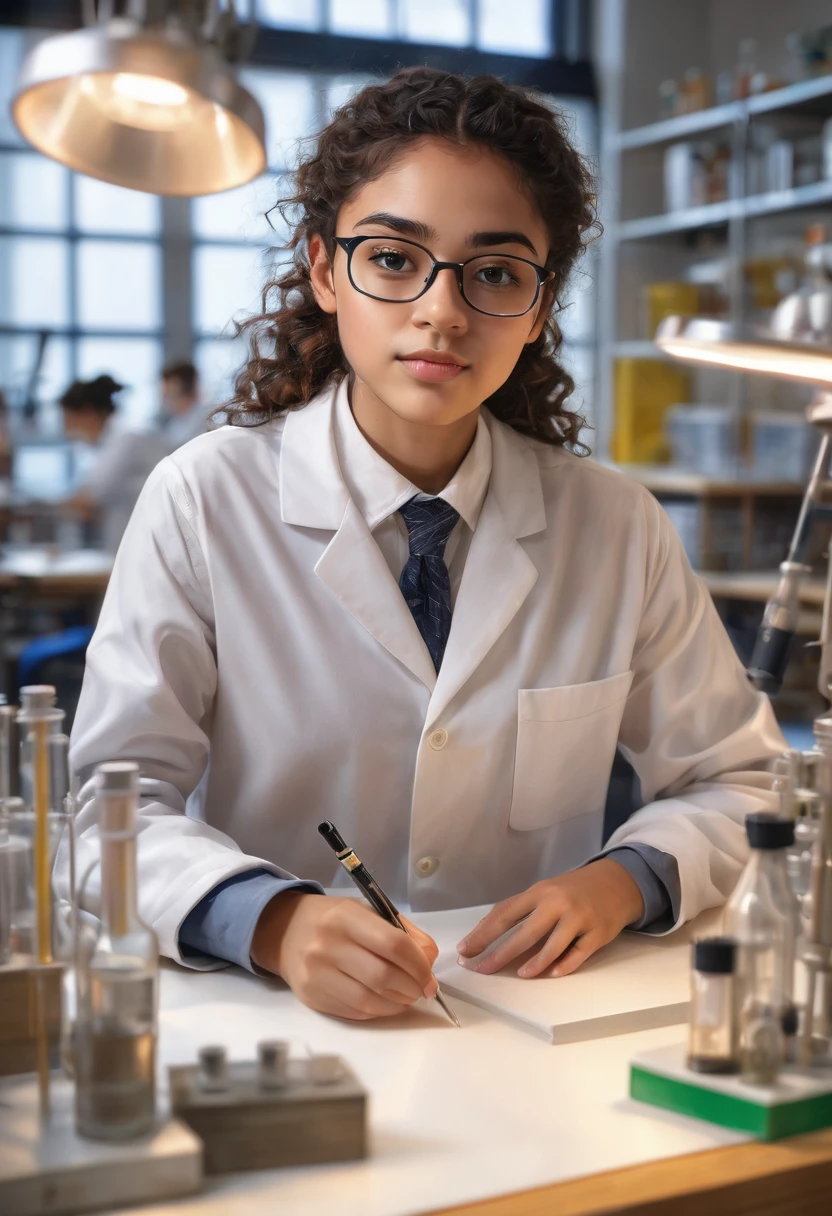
(222, 924)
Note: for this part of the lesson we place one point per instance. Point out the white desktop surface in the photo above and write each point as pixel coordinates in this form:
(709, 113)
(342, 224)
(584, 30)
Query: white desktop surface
(455, 1115)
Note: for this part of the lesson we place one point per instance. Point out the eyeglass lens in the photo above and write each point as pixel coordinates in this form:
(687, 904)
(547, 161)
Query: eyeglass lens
(396, 271)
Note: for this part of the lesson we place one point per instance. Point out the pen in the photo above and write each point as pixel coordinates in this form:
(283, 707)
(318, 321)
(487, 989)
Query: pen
(372, 892)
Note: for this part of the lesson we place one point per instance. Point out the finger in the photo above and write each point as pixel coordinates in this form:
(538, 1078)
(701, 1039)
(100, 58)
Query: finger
(520, 938)
(378, 974)
(501, 917)
(423, 940)
(558, 941)
(357, 997)
(390, 943)
(576, 955)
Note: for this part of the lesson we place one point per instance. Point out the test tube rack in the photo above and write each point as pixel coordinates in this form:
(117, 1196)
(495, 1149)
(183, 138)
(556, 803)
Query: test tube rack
(315, 1115)
(799, 1101)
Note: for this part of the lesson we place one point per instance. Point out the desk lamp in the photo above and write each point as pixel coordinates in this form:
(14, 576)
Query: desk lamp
(798, 346)
(144, 96)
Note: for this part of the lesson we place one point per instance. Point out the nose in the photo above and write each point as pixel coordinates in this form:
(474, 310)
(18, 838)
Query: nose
(442, 306)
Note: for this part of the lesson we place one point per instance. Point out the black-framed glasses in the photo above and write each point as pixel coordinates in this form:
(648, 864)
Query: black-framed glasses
(397, 271)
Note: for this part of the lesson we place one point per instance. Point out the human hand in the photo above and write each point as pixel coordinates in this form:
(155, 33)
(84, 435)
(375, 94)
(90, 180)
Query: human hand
(341, 958)
(576, 913)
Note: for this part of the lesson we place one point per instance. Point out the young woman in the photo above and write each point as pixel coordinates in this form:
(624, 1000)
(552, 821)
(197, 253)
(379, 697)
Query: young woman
(123, 458)
(392, 594)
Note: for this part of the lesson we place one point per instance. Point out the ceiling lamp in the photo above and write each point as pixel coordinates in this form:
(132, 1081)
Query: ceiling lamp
(797, 345)
(147, 98)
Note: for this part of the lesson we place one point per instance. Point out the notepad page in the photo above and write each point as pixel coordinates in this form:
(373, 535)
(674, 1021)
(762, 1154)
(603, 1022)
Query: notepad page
(637, 982)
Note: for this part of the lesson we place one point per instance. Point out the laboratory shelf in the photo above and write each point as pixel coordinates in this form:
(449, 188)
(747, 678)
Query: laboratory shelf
(775, 202)
(682, 127)
(805, 95)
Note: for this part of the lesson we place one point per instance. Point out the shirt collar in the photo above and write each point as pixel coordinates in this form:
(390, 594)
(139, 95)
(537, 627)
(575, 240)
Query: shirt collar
(378, 490)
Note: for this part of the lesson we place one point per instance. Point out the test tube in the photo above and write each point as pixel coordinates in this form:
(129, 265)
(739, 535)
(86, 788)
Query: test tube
(9, 752)
(38, 719)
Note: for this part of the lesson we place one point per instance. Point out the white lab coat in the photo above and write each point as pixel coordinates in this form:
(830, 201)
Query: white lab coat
(254, 644)
(121, 465)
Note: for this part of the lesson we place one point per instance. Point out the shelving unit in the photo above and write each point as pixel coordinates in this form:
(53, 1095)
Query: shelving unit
(640, 43)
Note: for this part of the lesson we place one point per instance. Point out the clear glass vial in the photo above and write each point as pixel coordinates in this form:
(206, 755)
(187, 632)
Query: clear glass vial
(117, 981)
(762, 917)
(712, 1042)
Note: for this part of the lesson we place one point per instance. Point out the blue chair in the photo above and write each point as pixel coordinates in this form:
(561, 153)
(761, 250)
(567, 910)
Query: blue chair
(59, 659)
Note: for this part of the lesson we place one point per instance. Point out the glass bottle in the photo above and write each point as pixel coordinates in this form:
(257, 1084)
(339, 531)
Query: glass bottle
(117, 980)
(712, 1043)
(806, 815)
(761, 916)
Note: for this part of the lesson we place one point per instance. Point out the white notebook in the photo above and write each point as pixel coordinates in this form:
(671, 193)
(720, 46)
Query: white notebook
(637, 982)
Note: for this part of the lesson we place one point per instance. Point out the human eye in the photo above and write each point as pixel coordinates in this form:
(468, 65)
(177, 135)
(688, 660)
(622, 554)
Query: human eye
(391, 259)
(498, 274)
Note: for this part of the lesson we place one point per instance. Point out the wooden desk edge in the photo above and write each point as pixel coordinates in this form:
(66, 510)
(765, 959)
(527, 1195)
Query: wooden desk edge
(754, 1179)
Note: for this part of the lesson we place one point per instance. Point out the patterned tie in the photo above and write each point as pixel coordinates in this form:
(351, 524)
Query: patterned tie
(424, 580)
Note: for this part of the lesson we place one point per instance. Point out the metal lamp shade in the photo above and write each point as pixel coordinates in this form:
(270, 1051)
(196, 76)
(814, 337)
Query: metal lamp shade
(140, 109)
(721, 344)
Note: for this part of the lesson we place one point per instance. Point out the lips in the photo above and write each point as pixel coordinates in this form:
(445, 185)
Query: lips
(433, 366)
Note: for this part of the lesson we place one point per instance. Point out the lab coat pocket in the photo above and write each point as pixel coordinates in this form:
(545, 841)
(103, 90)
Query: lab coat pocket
(566, 740)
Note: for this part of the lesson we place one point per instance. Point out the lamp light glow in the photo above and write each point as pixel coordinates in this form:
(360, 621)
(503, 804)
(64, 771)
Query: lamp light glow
(720, 344)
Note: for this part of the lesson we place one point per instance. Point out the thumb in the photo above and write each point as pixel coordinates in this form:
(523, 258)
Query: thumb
(423, 940)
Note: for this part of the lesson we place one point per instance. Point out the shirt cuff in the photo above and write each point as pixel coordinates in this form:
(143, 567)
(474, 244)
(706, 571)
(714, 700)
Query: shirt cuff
(222, 924)
(657, 876)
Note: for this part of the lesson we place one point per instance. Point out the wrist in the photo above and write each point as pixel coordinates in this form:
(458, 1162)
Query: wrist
(629, 898)
(269, 933)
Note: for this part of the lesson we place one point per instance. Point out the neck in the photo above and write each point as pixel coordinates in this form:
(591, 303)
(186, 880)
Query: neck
(426, 455)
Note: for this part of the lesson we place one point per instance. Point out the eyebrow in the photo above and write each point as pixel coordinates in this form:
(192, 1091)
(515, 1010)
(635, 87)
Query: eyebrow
(423, 232)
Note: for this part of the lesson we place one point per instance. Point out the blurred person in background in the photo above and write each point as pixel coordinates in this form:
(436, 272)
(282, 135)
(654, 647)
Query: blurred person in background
(184, 416)
(107, 493)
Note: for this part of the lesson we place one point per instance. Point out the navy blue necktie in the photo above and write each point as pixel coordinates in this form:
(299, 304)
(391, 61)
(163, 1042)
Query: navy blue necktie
(424, 581)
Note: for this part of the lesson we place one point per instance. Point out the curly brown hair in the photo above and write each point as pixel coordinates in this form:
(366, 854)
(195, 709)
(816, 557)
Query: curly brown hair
(295, 350)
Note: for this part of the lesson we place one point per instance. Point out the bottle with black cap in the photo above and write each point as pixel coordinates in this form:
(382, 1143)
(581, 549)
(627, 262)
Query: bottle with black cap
(712, 1044)
(762, 917)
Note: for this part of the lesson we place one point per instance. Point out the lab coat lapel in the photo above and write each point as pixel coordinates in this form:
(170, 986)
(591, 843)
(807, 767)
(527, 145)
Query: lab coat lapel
(498, 573)
(354, 569)
(313, 495)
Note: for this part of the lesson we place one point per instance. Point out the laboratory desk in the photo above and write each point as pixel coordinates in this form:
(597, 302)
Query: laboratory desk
(485, 1121)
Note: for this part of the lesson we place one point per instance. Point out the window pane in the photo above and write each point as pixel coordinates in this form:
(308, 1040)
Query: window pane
(17, 359)
(372, 18)
(100, 207)
(119, 285)
(227, 285)
(34, 281)
(218, 360)
(341, 88)
(291, 14)
(13, 45)
(517, 28)
(33, 191)
(241, 214)
(441, 21)
(133, 362)
(288, 101)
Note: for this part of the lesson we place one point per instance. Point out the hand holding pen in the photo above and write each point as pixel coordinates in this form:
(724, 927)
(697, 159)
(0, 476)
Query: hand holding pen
(374, 896)
(340, 958)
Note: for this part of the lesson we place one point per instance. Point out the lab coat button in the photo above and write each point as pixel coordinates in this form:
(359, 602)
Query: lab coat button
(438, 738)
(426, 866)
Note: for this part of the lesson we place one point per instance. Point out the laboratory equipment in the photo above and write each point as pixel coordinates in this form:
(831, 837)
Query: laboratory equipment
(272, 1111)
(761, 915)
(712, 1044)
(117, 974)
